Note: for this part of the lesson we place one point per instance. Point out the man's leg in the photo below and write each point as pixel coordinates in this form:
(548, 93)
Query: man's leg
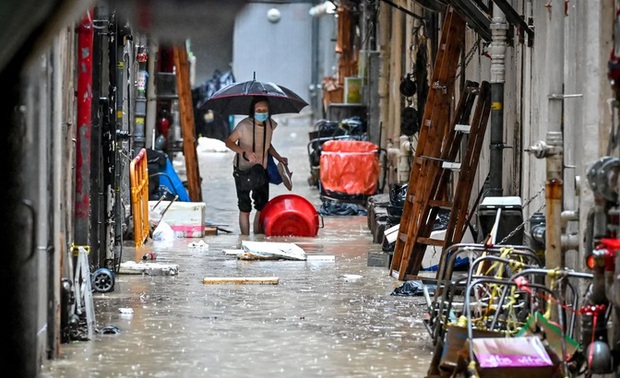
(258, 227)
(244, 223)
(260, 197)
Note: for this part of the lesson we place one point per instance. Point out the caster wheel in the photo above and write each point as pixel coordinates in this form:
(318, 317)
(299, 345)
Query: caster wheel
(102, 280)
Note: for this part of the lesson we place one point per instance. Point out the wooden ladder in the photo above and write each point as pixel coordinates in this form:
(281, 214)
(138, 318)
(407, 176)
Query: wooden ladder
(434, 161)
(188, 127)
(431, 194)
(434, 124)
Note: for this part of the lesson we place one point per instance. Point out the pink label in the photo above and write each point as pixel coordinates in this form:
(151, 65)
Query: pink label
(511, 360)
(188, 231)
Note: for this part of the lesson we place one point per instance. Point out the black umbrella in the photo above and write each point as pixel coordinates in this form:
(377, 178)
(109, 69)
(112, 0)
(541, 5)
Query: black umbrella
(236, 98)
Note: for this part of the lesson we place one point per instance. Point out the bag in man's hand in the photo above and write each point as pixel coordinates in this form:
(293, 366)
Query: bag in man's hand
(251, 179)
(272, 171)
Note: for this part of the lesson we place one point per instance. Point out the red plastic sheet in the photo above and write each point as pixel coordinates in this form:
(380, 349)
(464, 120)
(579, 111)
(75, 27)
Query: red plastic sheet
(349, 167)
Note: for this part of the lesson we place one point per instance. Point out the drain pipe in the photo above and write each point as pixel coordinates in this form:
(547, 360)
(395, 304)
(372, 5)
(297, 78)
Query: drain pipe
(499, 27)
(552, 149)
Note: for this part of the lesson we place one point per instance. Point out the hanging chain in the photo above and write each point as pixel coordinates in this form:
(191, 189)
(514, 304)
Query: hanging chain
(519, 227)
(468, 57)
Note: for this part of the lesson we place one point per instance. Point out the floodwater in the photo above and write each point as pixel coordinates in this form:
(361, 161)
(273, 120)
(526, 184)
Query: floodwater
(322, 319)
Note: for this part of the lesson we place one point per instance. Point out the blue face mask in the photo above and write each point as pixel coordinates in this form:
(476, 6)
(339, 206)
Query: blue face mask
(261, 117)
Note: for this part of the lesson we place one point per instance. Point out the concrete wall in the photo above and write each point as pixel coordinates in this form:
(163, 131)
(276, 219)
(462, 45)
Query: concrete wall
(586, 121)
(277, 52)
(213, 51)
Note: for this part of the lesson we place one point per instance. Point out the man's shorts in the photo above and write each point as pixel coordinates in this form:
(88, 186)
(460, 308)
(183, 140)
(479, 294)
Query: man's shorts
(260, 197)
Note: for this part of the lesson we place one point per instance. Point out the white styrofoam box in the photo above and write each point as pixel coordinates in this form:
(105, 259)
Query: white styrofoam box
(431, 258)
(187, 219)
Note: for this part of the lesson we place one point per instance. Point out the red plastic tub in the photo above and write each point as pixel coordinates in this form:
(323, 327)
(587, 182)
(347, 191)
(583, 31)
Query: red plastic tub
(289, 215)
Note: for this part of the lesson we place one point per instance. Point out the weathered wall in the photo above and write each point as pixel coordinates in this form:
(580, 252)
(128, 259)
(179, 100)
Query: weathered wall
(278, 52)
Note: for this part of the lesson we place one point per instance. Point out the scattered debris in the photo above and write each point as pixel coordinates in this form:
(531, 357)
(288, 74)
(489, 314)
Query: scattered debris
(149, 268)
(149, 256)
(233, 252)
(413, 288)
(242, 280)
(271, 251)
(320, 258)
(199, 245)
(244, 255)
(109, 330)
(351, 277)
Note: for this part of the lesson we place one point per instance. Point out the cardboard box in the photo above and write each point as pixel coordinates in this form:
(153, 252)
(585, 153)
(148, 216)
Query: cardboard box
(187, 219)
(455, 340)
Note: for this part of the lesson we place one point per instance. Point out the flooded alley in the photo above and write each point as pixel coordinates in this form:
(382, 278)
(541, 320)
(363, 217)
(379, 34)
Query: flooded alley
(323, 318)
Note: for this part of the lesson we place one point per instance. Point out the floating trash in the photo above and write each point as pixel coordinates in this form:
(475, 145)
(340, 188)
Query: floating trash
(110, 330)
(351, 277)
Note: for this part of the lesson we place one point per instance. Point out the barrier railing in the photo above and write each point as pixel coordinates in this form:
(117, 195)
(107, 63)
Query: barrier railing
(138, 171)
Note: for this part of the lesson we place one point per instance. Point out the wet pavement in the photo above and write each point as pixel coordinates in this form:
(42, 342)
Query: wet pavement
(323, 318)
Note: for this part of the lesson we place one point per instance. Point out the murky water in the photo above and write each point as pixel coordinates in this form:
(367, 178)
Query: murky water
(330, 318)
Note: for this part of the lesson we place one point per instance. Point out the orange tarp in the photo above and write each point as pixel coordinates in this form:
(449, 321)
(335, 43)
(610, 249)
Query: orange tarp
(349, 167)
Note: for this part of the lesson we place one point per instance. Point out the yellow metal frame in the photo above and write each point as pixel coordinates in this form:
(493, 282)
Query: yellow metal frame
(138, 171)
(76, 249)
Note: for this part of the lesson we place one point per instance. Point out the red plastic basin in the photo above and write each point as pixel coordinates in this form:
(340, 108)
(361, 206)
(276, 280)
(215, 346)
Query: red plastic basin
(289, 215)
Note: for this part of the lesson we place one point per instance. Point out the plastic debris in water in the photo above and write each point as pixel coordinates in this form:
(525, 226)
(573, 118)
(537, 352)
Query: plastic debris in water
(351, 277)
(110, 330)
(199, 245)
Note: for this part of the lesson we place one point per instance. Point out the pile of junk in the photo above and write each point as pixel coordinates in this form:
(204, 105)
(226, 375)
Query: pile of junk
(344, 165)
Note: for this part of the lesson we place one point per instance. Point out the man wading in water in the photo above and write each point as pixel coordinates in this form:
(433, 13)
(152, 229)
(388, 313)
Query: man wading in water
(251, 142)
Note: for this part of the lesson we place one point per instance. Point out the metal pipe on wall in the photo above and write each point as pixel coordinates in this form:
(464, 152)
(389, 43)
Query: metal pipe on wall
(499, 27)
(554, 162)
(552, 149)
(554, 157)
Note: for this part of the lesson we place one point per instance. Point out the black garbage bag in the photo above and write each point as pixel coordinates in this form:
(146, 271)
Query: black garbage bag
(207, 123)
(413, 288)
(398, 193)
(342, 208)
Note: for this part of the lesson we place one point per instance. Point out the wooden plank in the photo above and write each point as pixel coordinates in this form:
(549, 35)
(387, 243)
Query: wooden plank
(442, 204)
(188, 127)
(242, 280)
(429, 241)
(210, 230)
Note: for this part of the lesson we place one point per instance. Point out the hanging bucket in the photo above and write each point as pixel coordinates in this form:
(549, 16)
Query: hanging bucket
(289, 215)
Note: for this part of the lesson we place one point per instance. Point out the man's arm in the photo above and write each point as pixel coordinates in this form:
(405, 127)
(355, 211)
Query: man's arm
(277, 156)
(231, 143)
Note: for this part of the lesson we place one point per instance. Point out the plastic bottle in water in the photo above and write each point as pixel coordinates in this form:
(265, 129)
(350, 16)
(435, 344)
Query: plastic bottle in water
(148, 256)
